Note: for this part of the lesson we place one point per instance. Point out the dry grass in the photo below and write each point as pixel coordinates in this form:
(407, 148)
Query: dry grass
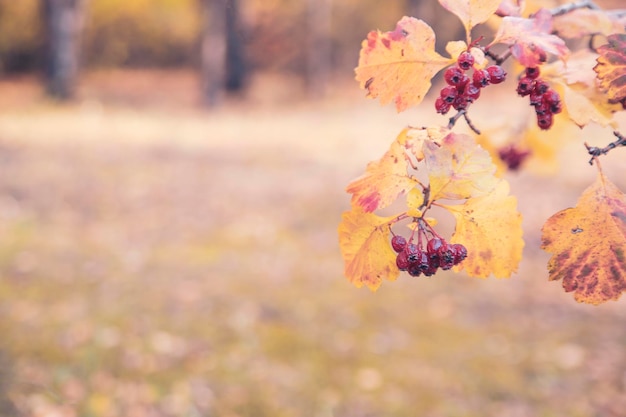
(161, 260)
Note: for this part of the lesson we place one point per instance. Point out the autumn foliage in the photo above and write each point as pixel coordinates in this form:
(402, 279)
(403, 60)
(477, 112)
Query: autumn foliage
(432, 166)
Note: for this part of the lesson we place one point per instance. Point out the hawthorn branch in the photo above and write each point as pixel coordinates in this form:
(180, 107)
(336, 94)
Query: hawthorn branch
(456, 117)
(595, 152)
(570, 7)
(498, 59)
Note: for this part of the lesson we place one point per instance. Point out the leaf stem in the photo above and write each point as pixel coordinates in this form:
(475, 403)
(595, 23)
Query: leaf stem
(595, 152)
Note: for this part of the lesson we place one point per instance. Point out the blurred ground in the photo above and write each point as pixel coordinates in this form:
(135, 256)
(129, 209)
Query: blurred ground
(157, 259)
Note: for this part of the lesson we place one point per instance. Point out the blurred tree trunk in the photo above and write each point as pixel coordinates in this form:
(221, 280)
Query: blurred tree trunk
(318, 46)
(222, 57)
(63, 22)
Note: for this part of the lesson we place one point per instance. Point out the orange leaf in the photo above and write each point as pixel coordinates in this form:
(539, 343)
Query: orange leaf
(364, 242)
(611, 67)
(584, 22)
(491, 229)
(388, 178)
(384, 179)
(531, 39)
(471, 12)
(399, 65)
(588, 244)
(458, 168)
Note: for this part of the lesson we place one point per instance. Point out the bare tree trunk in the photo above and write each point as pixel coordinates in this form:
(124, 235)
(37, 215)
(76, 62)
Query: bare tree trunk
(236, 70)
(318, 48)
(63, 21)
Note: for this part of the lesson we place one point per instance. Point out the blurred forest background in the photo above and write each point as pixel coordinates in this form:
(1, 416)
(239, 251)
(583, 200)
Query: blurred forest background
(226, 41)
(172, 175)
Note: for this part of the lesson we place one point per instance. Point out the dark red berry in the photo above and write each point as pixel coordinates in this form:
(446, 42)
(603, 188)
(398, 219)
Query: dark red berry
(398, 243)
(460, 252)
(465, 60)
(544, 121)
(525, 86)
(414, 270)
(513, 157)
(471, 93)
(496, 74)
(448, 94)
(532, 72)
(535, 98)
(423, 261)
(402, 261)
(542, 108)
(433, 245)
(553, 101)
(460, 102)
(480, 78)
(540, 87)
(412, 252)
(453, 76)
(441, 106)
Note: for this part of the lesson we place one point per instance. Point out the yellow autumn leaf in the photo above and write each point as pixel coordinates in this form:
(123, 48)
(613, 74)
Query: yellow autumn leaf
(471, 12)
(364, 242)
(398, 66)
(458, 168)
(588, 244)
(385, 179)
(490, 227)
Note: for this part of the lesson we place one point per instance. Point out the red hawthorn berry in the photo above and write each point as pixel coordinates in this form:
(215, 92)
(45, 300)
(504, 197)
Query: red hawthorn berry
(441, 106)
(525, 86)
(532, 72)
(398, 243)
(448, 94)
(496, 74)
(465, 61)
(471, 93)
(480, 78)
(402, 261)
(544, 121)
(455, 76)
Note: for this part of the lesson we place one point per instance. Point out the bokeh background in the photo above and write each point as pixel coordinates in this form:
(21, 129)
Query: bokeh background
(172, 175)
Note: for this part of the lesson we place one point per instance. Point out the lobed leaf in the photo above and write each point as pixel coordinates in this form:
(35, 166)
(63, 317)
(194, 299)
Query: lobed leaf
(490, 227)
(611, 67)
(531, 39)
(458, 168)
(398, 66)
(588, 244)
(364, 242)
(471, 12)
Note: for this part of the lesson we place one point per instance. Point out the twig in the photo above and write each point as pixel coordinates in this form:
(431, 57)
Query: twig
(570, 7)
(595, 152)
(498, 59)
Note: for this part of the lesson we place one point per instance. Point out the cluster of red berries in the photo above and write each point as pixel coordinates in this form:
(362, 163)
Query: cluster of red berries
(461, 91)
(513, 156)
(437, 254)
(544, 99)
